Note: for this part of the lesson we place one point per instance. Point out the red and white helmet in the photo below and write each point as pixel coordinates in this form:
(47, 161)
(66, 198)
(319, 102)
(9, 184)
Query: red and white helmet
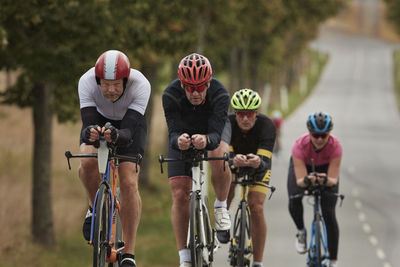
(194, 69)
(112, 65)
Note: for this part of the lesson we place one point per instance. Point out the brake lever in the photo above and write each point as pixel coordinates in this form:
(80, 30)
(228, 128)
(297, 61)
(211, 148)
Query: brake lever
(68, 155)
(161, 160)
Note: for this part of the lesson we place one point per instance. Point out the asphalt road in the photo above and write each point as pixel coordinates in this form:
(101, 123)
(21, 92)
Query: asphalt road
(356, 88)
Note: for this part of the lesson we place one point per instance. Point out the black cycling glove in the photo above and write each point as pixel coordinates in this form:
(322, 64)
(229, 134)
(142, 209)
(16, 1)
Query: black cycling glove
(114, 132)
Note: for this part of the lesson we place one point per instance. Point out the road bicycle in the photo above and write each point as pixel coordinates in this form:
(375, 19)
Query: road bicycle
(106, 234)
(241, 248)
(201, 241)
(318, 254)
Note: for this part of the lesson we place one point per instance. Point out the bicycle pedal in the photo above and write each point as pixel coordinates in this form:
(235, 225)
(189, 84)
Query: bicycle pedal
(120, 244)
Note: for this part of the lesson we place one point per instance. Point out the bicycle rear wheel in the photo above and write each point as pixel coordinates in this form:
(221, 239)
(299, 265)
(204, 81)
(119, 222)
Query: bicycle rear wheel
(195, 245)
(101, 227)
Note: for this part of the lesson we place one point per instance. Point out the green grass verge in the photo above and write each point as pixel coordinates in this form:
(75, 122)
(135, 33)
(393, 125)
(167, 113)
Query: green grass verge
(396, 75)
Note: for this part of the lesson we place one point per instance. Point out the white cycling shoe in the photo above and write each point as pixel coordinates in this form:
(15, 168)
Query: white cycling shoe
(222, 224)
(301, 241)
(186, 264)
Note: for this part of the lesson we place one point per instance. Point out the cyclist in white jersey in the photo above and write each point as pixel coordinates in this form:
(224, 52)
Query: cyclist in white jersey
(113, 92)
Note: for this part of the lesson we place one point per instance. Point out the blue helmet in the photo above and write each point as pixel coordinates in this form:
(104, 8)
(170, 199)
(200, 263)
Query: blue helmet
(319, 122)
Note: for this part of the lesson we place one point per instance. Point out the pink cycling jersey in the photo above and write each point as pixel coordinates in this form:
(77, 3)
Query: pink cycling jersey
(303, 149)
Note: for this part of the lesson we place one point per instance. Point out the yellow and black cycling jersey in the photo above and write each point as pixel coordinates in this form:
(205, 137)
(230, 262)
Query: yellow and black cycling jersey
(258, 140)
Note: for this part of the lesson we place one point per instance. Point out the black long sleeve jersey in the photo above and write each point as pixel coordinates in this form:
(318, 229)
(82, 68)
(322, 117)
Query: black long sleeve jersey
(207, 118)
(259, 140)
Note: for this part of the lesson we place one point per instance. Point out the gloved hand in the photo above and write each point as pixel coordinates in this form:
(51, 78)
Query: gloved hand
(111, 132)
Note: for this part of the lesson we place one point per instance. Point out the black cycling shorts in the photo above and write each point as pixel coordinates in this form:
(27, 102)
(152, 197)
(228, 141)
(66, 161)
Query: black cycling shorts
(176, 169)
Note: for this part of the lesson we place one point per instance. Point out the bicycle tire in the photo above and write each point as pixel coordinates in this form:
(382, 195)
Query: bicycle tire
(241, 255)
(209, 242)
(101, 221)
(196, 252)
(119, 237)
(318, 254)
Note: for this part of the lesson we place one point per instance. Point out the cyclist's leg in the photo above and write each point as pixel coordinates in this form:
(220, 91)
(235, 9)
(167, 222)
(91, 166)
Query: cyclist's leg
(328, 207)
(296, 204)
(89, 173)
(231, 193)
(179, 176)
(180, 187)
(131, 203)
(220, 179)
(258, 224)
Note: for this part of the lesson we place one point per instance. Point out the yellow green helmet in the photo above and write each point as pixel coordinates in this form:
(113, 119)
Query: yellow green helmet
(246, 99)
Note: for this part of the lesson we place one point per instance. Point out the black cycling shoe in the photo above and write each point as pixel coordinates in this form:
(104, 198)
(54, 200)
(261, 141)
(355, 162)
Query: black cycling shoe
(87, 224)
(223, 236)
(128, 260)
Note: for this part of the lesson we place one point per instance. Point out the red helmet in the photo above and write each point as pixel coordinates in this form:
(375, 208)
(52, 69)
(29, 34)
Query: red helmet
(194, 69)
(112, 65)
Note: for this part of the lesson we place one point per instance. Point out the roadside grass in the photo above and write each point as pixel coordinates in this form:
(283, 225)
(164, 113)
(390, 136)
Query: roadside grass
(396, 76)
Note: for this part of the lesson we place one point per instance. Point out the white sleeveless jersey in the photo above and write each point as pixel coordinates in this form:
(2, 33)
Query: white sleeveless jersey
(136, 95)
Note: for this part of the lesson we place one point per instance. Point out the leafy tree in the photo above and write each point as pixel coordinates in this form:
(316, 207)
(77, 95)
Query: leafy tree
(51, 43)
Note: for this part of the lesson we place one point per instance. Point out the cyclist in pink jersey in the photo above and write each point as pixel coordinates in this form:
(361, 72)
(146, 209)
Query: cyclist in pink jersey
(326, 151)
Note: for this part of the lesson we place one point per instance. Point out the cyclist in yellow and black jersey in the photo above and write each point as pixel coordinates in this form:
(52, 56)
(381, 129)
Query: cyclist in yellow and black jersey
(252, 142)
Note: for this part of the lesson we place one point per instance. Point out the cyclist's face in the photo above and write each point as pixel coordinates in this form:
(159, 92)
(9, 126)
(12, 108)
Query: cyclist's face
(319, 140)
(246, 119)
(195, 94)
(112, 89)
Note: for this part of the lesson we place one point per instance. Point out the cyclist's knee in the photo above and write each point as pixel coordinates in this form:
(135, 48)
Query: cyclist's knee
(180, 195)
(256, 208)
(89, 164)
(220, 150)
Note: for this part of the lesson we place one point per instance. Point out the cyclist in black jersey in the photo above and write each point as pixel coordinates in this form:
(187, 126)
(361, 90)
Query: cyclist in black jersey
(252, 142)
(196, 110)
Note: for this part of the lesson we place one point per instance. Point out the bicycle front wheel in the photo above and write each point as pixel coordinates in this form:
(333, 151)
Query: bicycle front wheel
(119, 237)
(317, 255)
(101, 227)
(195, 246)
(244, 230)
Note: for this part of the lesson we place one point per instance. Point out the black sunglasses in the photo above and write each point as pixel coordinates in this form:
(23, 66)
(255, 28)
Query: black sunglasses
(319, 135)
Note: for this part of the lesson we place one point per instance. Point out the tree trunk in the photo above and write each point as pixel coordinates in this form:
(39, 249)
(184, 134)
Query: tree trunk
(42, 217)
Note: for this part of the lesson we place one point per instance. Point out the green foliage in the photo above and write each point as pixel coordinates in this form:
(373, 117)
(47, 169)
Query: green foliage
(396, 75)
(393, 12)
(52, 47)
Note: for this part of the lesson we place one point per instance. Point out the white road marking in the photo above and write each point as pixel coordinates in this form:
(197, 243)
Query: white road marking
(366, 228)
(361, 216)
(373, 240)
(381, 255)
(358, 204)
(355, 192)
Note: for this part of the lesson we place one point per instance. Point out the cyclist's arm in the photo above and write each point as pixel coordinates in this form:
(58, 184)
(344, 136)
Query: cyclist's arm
(172, 114)
(333, 171)
(90, 117)
(300, 171)
(266, 146)
(133, 124)
(216, 123)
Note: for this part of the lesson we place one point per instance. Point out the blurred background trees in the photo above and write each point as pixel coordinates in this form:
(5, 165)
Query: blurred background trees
(50, 44)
